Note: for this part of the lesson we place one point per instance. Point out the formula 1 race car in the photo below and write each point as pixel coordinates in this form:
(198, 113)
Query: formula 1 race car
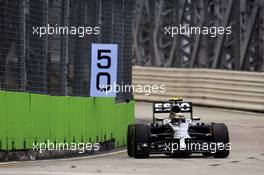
(177, 134)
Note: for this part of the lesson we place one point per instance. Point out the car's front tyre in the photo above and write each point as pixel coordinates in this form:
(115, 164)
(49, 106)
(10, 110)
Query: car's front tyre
(130, 140)
(220, 135)
(142, 136)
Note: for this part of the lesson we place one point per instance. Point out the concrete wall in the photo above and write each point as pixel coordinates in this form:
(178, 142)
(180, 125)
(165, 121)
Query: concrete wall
(220, 88)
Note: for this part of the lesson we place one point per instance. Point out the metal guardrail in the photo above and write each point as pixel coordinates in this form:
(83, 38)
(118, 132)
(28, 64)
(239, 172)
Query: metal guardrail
(208, 87)
(156, 44)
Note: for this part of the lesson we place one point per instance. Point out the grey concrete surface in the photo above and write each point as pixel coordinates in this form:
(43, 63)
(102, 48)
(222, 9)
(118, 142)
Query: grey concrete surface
(246, 158)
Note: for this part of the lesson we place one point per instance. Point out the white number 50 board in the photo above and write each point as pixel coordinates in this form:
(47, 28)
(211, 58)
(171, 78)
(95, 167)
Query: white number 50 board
(103, 70)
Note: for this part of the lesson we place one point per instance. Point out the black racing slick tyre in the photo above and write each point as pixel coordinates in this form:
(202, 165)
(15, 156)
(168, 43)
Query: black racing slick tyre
(220, 135)
(142, 137)
(130, 139)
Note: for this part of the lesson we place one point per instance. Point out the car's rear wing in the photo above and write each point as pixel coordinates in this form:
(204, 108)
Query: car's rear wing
(164, 107)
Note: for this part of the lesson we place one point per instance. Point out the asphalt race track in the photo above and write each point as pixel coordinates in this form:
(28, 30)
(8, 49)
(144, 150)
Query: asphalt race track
(247, 155)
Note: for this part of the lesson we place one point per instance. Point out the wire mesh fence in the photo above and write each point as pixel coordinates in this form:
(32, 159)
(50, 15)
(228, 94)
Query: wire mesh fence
(59, 64)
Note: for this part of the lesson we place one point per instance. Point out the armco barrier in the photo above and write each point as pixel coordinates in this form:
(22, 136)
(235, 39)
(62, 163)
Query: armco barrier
(26, 118)
(220, 88)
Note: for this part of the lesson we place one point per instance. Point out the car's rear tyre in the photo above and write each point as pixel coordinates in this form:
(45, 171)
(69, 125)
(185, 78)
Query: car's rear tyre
(142, 136)
(130, 139)
(220, 135)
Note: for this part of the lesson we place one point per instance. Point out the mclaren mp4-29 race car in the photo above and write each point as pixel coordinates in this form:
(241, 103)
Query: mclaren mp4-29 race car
(177, 133)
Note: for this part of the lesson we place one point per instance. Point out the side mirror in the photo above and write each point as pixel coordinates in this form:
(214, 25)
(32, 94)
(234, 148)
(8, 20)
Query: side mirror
(196, 118)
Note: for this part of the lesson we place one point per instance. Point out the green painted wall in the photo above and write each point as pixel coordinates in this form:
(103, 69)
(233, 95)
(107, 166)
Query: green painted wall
(26, 118)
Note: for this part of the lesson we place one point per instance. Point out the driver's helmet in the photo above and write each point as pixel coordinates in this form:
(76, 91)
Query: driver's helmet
(176, 114)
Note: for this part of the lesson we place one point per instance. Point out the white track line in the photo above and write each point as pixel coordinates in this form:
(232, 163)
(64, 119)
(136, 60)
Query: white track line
(57, 173)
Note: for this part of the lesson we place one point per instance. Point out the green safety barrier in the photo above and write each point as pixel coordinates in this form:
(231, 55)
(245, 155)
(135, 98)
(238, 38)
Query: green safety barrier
(26, 118)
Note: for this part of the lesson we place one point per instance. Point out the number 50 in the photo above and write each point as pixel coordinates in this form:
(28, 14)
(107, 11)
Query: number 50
(106, 66)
